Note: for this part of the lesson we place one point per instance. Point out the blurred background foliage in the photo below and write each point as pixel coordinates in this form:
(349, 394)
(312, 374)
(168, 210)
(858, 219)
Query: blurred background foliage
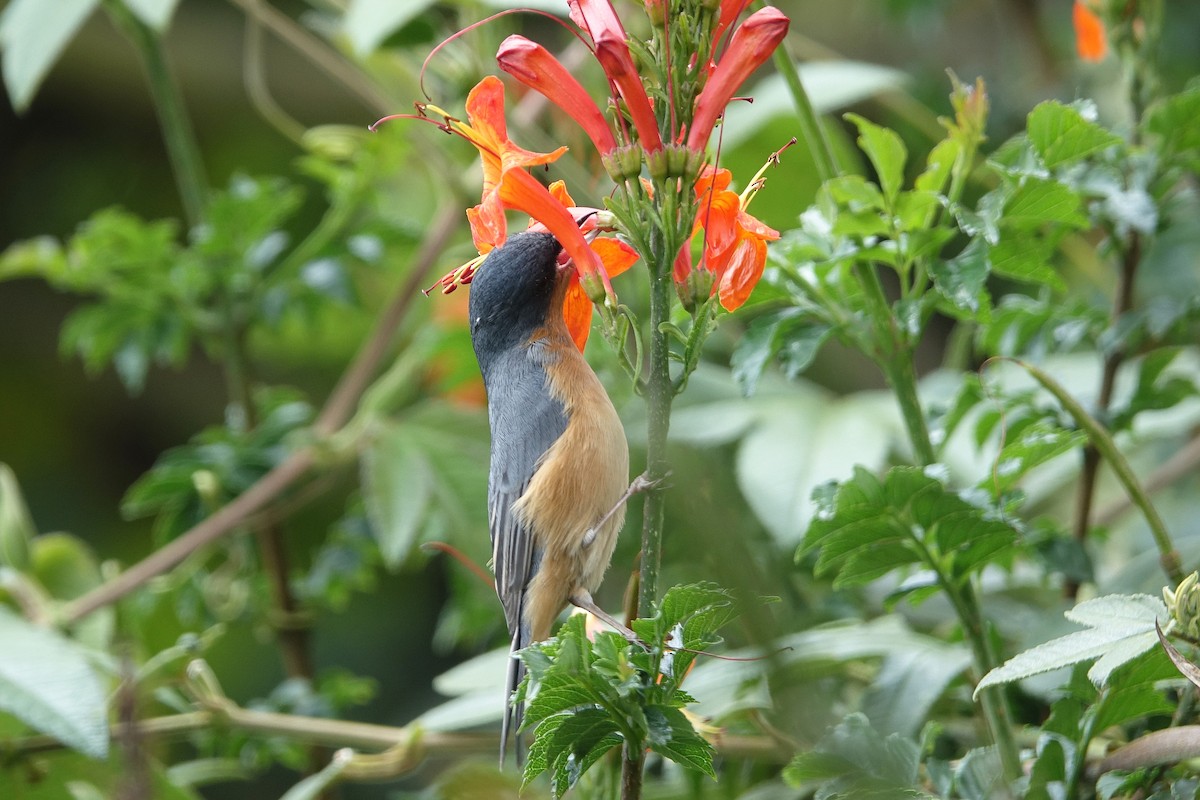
(108, 409)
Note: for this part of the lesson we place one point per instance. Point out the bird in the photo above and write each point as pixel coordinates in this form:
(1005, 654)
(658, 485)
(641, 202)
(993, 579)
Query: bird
(559, 462)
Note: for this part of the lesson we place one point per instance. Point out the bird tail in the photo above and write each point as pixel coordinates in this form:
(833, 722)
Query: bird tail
(514, 713)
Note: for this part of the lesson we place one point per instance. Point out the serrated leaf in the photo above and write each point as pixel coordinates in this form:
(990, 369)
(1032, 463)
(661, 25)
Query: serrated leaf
(1038, 202)
(887, 153)
(863, 761)
(961, 280)
(898, 520)
(673, 736)
(939, 164)
(47, 682)
(792, 334)
(1174, 121)
(1024, 258)
(1036, 444)
(1060, 134)
(1120, 628)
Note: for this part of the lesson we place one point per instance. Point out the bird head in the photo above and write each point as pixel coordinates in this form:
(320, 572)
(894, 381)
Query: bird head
(512, 293)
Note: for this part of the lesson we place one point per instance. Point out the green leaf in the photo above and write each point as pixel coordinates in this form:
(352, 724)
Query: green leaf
(1154, 392)
(939, 165)
(16, 526)
(878, 526)
(155, 13)
(1119, 628)
(33, 33)
(1025, 258)
(1174, 121)
(368, 22)
(887, 153)
(672, 735)
(570, 745)
(858, 762)
(1038, 202)
(1061, 134)
(398, 486)
(830, 85)
(1036, 444)
(47, 682)
(962, 279)
(792, 334)
(915, 211)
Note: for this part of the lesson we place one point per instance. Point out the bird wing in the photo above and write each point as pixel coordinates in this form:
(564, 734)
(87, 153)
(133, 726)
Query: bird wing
(525, 422)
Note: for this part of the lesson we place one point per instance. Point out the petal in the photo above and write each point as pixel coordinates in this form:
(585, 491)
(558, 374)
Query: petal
(534, 66)
(1090, 41)
(613, 55)
(489, 228)
(521, 191)
(558, 190)
(743, 272)
(751, 45)
(488, 131)
(752, 226)
(683, 263)
(577, 313)
(730, 9)
(617, 256)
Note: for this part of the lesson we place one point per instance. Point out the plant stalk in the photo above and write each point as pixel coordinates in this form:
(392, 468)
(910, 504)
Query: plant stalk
(811, 131)
(178, 134)
(659, 394)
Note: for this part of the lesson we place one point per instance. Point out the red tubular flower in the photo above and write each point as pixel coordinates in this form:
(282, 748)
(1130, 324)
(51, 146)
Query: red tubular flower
(534, 66)
(1090, 41)
(730, 9)
(600, 20)
(751, 45)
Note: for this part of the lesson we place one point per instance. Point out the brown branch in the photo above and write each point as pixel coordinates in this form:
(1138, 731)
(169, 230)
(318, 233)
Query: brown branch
(1086, 493)
(336, 733)
(1160, 747)
(338, 409)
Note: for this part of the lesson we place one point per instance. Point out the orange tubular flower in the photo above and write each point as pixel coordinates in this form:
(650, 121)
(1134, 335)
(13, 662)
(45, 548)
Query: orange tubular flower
(506, 185)
(751, 45)
(534, 66)
(615, 255)
(735, 243)
(1090, 41)
(600, 20)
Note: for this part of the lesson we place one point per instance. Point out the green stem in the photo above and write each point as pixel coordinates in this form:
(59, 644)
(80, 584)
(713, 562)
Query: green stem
(632, 762)
(178, 135)
(893, 352)
(1102, 440)
(901, 376)
(996, 713)
(811, 130)
(995, 704)
(659, 394)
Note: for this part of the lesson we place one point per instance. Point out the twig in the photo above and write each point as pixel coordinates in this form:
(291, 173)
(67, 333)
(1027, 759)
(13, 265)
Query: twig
(336, 412)
(1102, 440)
(317, 51)
(1178, 465)
(1122, 303)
